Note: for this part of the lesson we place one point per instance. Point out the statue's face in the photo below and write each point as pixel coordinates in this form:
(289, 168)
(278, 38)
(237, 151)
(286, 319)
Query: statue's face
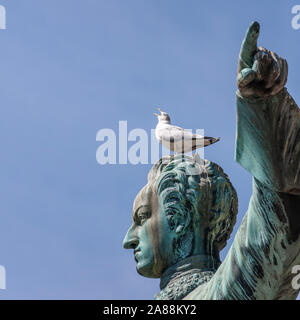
(149, 235)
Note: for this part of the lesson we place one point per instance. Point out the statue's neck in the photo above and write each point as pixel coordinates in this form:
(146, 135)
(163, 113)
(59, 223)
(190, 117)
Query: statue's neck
(182, 278)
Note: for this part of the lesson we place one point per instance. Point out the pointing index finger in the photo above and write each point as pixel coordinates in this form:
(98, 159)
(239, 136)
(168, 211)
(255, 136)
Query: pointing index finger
(249, 46)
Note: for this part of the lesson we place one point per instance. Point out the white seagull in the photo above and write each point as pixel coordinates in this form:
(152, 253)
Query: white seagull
(178, 139)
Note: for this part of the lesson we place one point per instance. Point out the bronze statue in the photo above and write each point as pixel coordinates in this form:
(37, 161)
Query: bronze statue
(185, 214)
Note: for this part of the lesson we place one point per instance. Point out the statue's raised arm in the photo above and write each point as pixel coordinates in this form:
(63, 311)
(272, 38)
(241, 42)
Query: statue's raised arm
(268, 128)
(267, 245)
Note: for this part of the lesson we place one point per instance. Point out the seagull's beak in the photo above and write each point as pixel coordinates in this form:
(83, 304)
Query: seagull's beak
(156, 114)
(159, 109)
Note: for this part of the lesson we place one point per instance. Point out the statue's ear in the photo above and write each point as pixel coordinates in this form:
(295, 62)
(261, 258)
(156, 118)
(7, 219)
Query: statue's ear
(180, 228)
(181, 221)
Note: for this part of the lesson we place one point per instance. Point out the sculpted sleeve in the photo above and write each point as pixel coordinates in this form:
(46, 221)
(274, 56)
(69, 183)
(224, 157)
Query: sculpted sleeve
(268, 141)
(267, 245)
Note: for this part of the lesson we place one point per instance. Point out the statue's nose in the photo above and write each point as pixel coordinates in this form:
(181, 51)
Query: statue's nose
(131, 240)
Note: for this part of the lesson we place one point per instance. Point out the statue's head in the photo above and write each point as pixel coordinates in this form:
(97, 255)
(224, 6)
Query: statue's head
(187, 208)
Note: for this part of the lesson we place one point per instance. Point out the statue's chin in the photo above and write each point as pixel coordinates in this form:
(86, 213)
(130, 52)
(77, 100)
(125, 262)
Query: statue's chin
(146, 271)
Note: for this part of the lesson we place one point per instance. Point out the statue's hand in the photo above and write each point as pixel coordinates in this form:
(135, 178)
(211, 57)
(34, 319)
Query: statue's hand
(261, 73)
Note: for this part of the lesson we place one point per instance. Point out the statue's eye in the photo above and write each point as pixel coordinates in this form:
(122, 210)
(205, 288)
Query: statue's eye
(142, 217)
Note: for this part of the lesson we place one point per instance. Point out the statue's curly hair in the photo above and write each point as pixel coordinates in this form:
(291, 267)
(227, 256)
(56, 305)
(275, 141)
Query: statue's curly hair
(193, 192)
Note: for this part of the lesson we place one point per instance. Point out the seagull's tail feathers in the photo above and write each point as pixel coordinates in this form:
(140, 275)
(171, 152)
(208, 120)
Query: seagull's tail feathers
(201, 142)
(209, 140)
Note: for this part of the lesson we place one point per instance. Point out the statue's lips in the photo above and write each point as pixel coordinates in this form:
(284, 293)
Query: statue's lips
(136, 254)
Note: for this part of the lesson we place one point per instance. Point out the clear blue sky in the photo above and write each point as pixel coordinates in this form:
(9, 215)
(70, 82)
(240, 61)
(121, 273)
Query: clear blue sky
(70, 68)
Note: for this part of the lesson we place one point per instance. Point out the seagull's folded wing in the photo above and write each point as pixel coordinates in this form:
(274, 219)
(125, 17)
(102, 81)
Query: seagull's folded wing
(176, 134)
(180, 140)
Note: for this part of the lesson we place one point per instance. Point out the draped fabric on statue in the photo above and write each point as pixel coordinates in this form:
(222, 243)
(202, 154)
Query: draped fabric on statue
(267, 245)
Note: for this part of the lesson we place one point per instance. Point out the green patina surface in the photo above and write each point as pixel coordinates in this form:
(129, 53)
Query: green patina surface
(185, 214)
